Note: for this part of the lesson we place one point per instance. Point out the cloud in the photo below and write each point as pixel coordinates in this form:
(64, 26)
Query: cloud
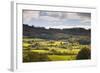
(29, 14)
(56, 19)
(51, 14)
(71, 16)
(49, 18)
(85, 15)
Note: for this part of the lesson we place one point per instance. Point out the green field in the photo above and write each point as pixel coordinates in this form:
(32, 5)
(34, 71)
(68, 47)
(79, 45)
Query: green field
(62, 57)
(36, 50)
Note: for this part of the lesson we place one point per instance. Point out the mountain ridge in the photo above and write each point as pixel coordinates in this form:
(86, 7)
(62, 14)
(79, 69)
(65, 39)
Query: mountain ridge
(41, 32)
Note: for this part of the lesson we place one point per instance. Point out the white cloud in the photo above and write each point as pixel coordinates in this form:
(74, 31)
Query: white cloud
(51, 14)
(72, 16)
(29, 14)
(49, 18)
(56, 19)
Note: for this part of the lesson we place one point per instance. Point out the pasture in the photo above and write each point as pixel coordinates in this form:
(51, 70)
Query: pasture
(36, 50)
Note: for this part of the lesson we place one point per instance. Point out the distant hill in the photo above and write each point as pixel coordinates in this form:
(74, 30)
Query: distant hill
(52, 33)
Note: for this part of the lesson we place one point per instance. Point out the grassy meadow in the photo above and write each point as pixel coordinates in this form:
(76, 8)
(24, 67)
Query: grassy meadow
(37, 50)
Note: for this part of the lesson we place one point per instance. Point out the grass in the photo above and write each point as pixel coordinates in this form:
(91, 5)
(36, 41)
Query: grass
(54, 50)
(26, 44)
(74, 51)
(40, 51)
(61, 57)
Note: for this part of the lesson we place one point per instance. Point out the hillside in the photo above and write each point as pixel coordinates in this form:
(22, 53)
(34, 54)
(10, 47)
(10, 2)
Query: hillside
(52, 33)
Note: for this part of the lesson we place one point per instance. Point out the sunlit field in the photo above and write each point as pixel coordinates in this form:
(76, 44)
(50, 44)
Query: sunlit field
(36, 50)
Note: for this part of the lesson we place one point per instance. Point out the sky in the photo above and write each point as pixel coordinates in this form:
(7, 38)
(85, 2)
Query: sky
(59, 20)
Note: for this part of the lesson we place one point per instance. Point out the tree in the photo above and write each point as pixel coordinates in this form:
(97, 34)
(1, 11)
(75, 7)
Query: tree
(84, 53)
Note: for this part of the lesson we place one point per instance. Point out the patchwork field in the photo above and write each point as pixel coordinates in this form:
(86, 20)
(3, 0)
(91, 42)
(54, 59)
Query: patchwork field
(37, 50)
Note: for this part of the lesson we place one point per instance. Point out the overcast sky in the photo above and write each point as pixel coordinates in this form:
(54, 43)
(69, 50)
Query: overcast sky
(51, 19)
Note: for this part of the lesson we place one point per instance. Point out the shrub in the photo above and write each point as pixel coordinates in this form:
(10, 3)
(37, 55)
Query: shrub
(84, 53)
(34, 57)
